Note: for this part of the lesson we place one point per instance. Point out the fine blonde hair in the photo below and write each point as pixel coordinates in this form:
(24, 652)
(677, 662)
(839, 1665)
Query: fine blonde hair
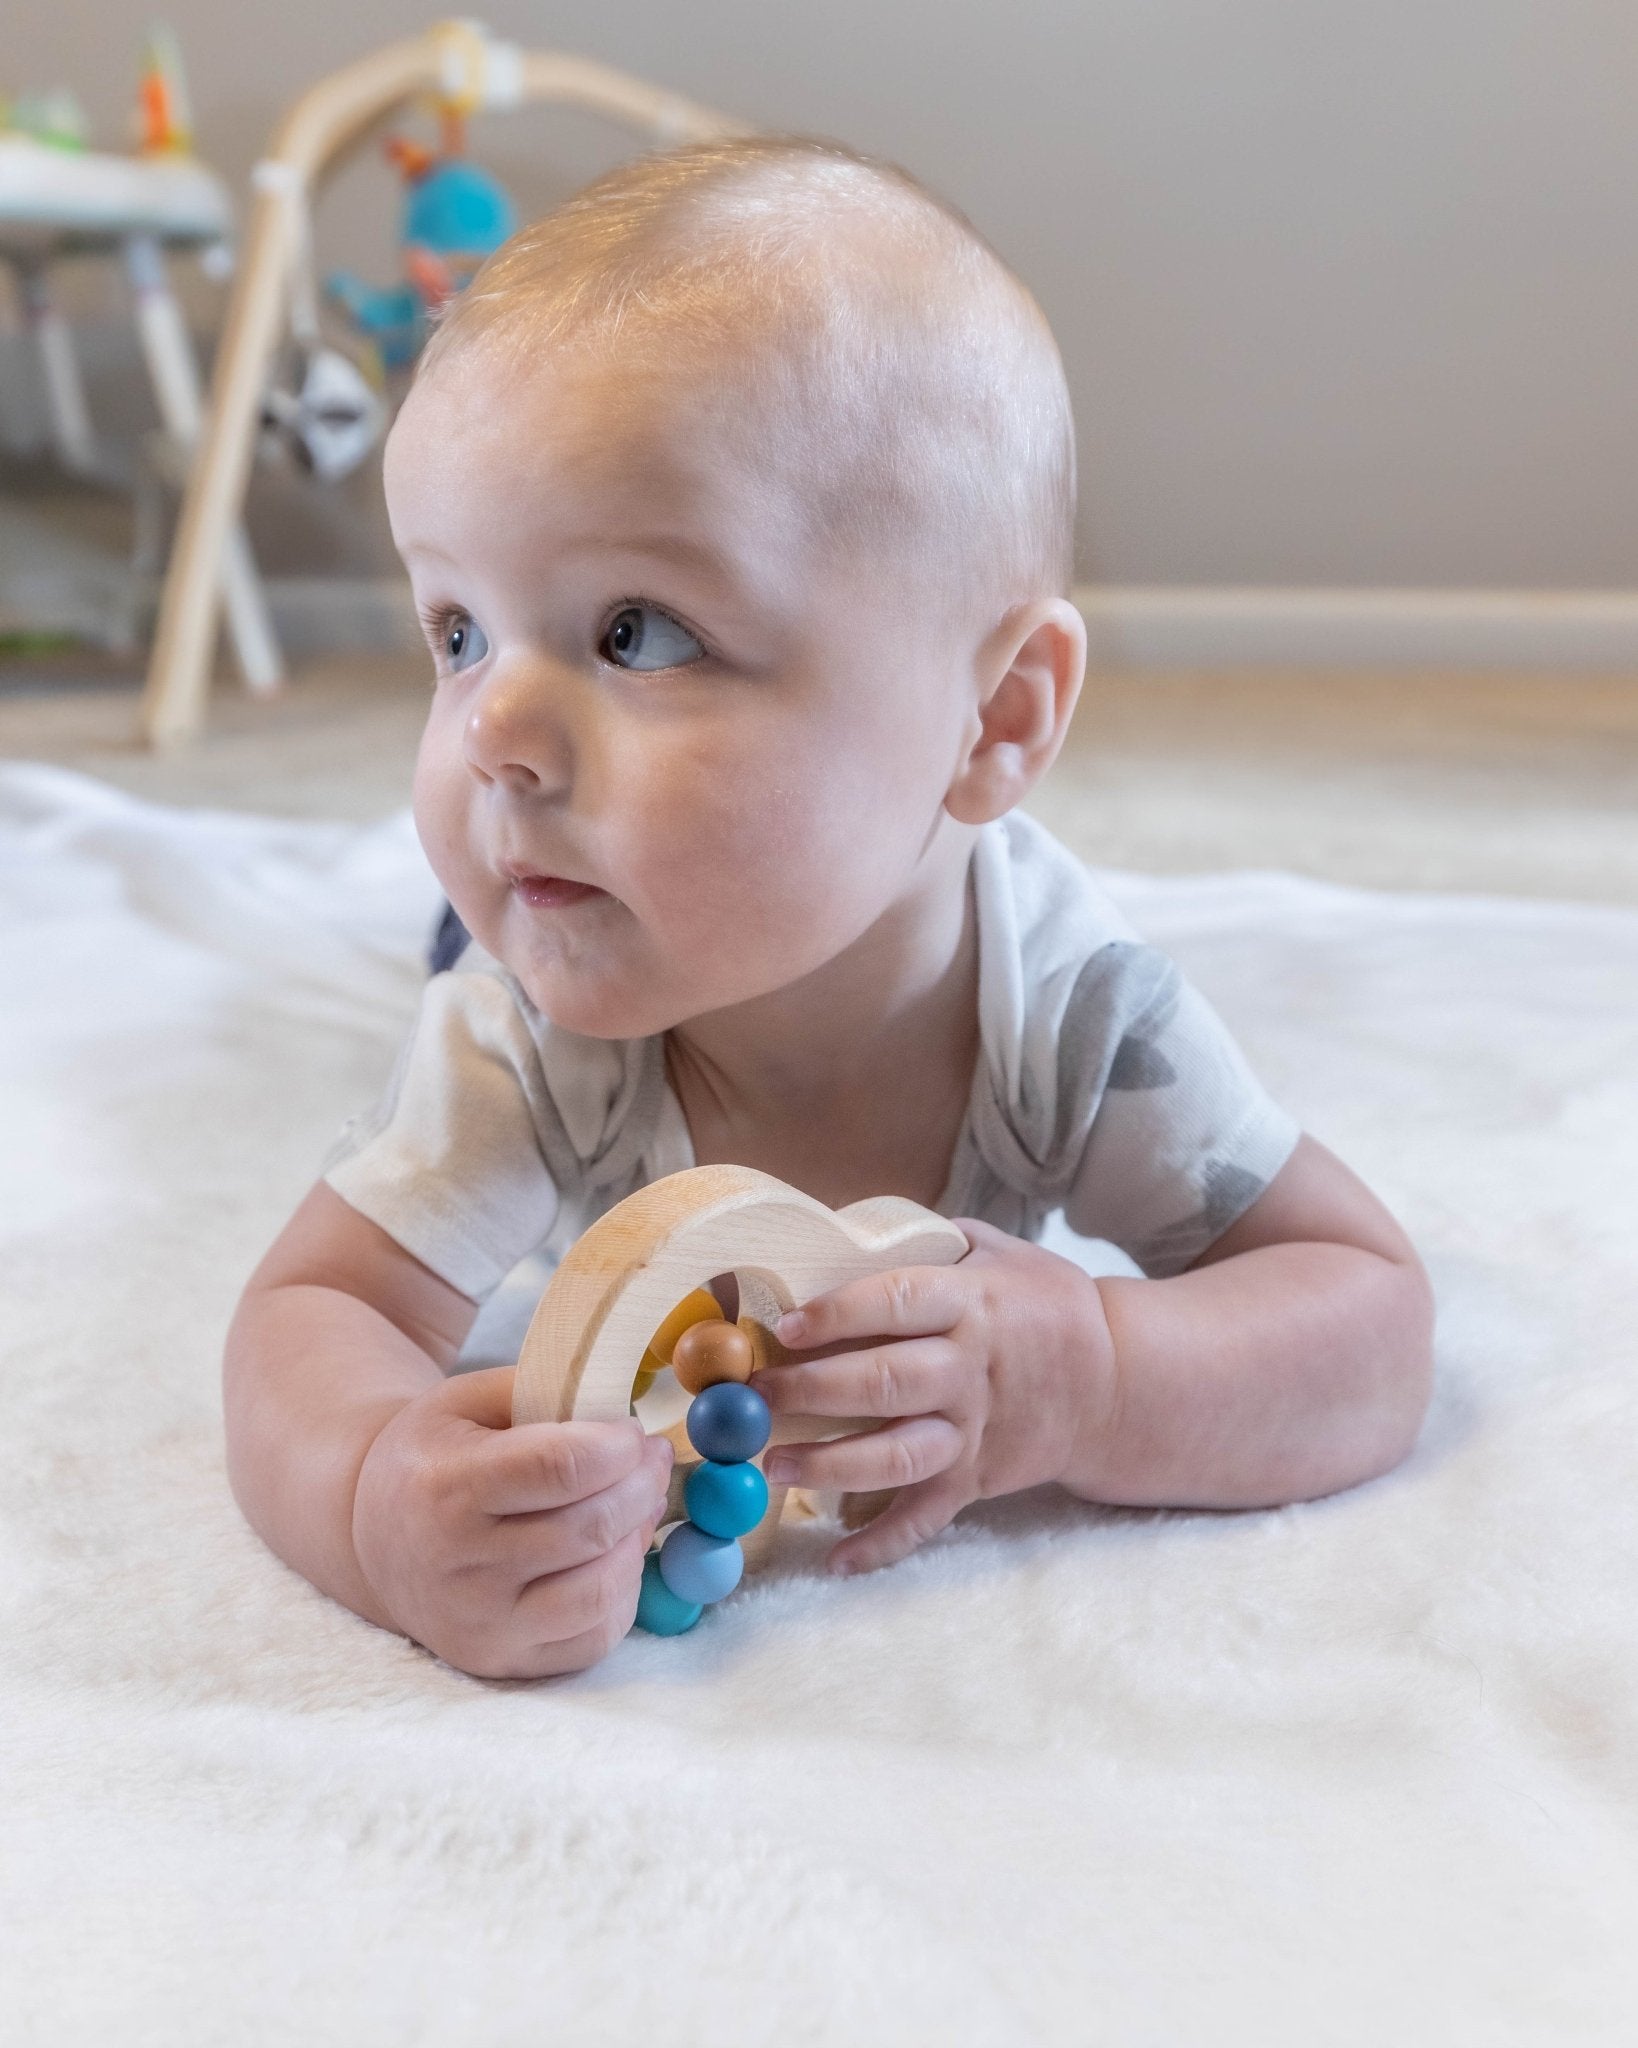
(838, 294)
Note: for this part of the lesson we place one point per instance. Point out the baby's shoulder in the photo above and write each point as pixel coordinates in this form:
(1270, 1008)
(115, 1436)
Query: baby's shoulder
(1043, 915)
(1071, 998)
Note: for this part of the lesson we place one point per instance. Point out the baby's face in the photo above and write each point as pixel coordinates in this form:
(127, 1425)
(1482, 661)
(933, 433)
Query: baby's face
(652, 684)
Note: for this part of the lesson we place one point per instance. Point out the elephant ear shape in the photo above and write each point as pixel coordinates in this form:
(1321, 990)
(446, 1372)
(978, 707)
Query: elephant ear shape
(619, 1280)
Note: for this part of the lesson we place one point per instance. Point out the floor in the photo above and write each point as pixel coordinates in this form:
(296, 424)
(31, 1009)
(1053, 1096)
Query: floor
(1506, 784)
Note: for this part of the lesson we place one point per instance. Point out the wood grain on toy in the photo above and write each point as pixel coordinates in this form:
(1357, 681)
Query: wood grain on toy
(621, 1277)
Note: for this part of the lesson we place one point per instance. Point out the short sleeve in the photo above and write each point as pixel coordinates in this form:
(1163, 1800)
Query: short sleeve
(450, 1163)
(1184, 1138)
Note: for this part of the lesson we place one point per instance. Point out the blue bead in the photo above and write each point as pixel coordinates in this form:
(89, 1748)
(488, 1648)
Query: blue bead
(728, 1422)
(658, 1608)
(725, 1500)
(700, 1567)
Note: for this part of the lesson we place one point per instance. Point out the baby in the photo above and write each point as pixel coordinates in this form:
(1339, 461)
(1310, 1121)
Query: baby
(737, 497)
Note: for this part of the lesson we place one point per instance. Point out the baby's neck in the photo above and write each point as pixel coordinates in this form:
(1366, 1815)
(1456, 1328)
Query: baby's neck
(852, 1081)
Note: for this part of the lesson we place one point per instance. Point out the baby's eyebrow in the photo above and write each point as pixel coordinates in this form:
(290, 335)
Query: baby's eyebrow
(674, 547)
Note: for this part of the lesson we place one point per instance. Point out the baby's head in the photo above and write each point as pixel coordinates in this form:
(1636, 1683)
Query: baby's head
(737, 495)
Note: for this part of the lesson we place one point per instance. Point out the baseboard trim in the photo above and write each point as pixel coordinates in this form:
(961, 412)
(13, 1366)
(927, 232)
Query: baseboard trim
(1176, 626)
(1169, 626)
(1133, 626)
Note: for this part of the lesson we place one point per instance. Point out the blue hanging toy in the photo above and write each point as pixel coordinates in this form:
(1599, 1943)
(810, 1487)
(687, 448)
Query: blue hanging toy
(454, 216)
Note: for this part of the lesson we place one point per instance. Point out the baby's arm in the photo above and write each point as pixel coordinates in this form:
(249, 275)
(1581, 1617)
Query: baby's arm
(1294, 1358)
(406, 1495)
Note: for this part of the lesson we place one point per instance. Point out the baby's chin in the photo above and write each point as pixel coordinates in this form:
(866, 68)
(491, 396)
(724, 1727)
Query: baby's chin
(593, 1012)
(578, 997)
(641, 1006)
(612, 982)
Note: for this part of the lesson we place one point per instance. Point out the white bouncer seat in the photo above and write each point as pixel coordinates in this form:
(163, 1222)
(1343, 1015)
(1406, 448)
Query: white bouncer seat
(57, 203)
(69, 201)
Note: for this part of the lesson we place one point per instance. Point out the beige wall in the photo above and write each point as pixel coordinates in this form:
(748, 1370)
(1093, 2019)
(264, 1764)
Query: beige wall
(1348, 292)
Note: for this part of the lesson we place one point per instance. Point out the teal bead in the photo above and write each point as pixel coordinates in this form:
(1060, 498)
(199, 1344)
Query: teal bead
(725, 1500)
(658, 1608)
(700, 1567)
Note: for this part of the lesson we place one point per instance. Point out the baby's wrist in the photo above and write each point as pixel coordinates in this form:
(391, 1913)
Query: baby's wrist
(375, 1523)
(1092, 1453)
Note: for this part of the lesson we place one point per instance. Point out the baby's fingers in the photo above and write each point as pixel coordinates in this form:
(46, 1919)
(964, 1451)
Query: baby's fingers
(562, 1622)
(918, 1376)
(558, 1539)
(542, 1465)
(599, 1594)
(915, 1515)
(896, 1456)
(909, 1301)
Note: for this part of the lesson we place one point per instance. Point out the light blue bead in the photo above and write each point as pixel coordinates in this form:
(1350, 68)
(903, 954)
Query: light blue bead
(700, 1567)
(728, 1422)
(725, 1500)
(658, 1608)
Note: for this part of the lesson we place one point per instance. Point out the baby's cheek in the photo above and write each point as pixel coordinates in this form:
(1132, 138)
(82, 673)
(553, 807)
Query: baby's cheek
(437, 813)
(744, 852)
(433, 812)
(441, 798)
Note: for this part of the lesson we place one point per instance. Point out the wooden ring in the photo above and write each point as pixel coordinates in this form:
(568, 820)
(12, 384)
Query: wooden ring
(619, 1279)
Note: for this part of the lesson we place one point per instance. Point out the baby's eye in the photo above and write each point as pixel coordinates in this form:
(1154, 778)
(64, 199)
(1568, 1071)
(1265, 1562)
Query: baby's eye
(463, 640)
(640, 636)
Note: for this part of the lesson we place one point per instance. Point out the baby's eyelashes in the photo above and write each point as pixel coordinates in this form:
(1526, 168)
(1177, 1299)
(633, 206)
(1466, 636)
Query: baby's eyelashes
(458, 641)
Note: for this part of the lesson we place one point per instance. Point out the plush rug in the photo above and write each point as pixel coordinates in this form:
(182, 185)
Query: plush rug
(1361, 1771)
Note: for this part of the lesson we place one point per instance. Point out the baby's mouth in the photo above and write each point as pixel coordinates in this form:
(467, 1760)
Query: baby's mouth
(549, 892)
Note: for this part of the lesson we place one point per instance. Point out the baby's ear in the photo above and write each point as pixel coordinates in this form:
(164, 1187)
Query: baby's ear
(1029, 673)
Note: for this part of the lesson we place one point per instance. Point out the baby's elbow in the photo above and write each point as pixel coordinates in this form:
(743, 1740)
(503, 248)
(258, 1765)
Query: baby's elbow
(1405, 1383)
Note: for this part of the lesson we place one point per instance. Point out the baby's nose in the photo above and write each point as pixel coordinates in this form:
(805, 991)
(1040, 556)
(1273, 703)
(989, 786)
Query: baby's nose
(516, 735)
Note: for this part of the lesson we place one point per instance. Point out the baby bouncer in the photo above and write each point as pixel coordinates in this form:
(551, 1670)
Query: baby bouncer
(462, 67)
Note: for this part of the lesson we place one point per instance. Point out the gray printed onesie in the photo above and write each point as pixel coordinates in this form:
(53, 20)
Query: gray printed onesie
(1105, 1086)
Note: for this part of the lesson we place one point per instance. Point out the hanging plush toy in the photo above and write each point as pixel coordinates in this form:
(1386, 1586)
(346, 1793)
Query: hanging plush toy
(454, 216)
(328, 418)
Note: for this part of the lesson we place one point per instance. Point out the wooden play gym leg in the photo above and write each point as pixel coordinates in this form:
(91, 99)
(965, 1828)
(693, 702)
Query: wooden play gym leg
(174, 375)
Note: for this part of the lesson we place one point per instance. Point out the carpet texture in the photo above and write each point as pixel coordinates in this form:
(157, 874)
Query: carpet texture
(1359, 1771)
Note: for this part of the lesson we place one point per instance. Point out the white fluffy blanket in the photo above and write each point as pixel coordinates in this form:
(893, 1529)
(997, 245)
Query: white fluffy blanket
(1364, 1771)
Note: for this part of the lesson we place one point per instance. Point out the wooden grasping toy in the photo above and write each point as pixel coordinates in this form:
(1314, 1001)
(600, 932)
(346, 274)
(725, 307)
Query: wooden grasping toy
(630, 1300)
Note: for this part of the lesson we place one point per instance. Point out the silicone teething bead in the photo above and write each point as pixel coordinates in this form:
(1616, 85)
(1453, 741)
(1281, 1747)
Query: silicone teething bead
(728, 1423)
(708, 1353)
(699, 1567)
(726, 1500)
(659, 1610)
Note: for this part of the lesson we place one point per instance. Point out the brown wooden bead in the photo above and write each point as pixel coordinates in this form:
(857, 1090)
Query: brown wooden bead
(706, 1353)
(698, 1306)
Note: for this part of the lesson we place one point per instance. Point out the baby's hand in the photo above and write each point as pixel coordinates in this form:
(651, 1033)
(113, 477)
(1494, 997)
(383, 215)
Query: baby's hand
(511, 1553)
(989, 1370)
